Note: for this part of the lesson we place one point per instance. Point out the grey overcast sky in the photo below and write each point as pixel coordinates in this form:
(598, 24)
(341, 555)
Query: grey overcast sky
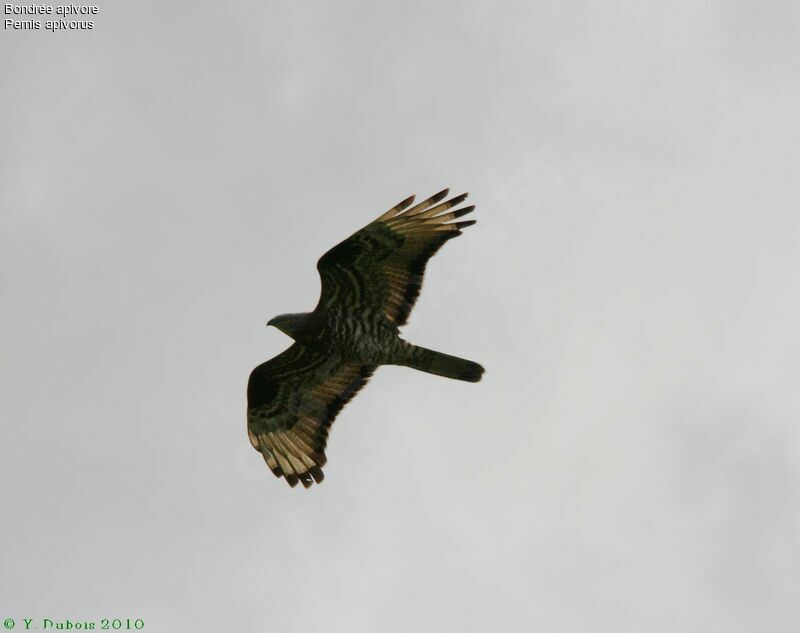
(630, 461)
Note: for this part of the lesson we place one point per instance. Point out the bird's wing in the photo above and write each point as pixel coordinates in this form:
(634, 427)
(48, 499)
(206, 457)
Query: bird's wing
(380, 268)
(292, 401)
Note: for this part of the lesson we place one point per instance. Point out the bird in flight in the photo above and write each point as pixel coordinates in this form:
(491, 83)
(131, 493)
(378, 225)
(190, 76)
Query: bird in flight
(370, 282)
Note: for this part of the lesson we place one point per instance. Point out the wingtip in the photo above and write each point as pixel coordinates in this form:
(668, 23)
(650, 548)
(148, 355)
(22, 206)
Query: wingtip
(402, 205)
(462, 212)
(398, 208)
(317, 474)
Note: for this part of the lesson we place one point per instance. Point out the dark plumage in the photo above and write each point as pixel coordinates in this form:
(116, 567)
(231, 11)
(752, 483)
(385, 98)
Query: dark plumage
(370, 282)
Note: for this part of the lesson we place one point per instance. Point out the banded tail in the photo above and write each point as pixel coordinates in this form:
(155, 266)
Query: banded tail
(443, 364)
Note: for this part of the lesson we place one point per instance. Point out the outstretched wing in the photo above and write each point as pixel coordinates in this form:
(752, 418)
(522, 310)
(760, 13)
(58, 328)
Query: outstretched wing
(292, 401)
(379, 269)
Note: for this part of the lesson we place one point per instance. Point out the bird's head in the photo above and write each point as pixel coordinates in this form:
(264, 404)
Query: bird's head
(289, 324)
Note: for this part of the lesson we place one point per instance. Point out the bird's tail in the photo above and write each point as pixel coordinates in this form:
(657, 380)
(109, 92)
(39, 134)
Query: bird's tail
(442, 364)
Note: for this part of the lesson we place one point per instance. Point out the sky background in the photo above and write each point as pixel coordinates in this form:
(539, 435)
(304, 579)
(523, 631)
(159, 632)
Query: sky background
(630, 461)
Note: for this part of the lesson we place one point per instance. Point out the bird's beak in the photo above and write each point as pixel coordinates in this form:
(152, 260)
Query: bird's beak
(270, 322)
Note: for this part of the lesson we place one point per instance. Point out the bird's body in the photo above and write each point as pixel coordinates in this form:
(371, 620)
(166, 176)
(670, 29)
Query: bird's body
(353, 337)
(370, 282)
